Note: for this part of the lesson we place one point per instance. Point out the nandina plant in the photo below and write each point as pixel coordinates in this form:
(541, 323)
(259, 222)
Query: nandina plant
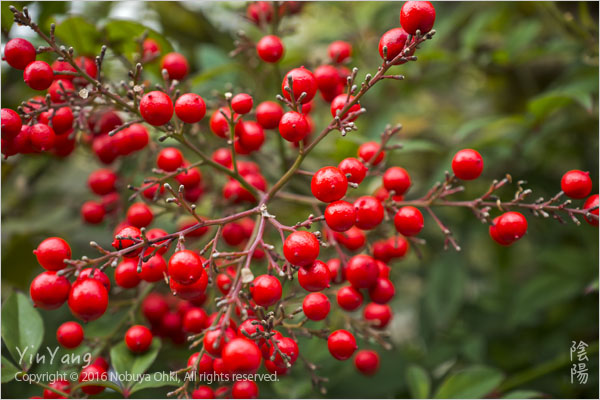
(237, 288)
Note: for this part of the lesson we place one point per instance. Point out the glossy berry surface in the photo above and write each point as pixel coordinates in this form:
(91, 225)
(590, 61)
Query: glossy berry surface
(362, 271)
(244, 390)
(93, 373)
(156, 108)
(382, 291)
(339, 51)
(169, 159)
(49, 290)
(154, 269)
(353, 239)
(396, 179)
(340, 215)
(241, 356)
(215, 340)
(314, 277)
(265, 290)
(301, 248)
(329, 184)
(127, 237)
(88, 299)
(242, 103)
(316, 306)
(288, 347)
(102, 181)
(38, 75)
(379, 315)
(355, 168)
(268, 114)
(349, 298)
(42, 137)
(139, 215)
(293, 126)
(576, 184)
(270, 48)
(303, 81)
(190, 108)
(69, 335)
(19, 53)
(92, 212)
(511, 226)
(185, 267)
(367, 153)
(591, 202)
(341, 344)
(366, 362)
(52, 252)
(369, 212)
(138, 339)
(340, 102)
(176, 65)
(467, 164)
(395, 41)
(417, 15)
(11, 124)
(409, 221)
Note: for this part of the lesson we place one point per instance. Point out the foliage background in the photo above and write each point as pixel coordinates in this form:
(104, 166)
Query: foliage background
(517, 81)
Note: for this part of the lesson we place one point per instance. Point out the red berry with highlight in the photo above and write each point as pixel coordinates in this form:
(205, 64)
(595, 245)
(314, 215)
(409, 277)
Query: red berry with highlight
(396, 179)
(367, 152)
(185, 267)
(169, 159)
(268, 114)
(139, 215)
(11, 124)
(156, 108)
(382, 291)
(417, 15)
(329, 184)
(367, 362)
(303, 81)
(194, 320)
(176, 65)
(467, 164)
(128, 236)
(395, 41)
(369, 212)
(362, 271)
(88, 299)
(242, 103)
(301, 248)
(576, 184)
(379, 315)
(241, 356)
(69, 335)
(340, 102)
(244, 389)
(49, 290)
(511, 226)
(316, 306)
(92, 212)
(288, 347)
(340, 215)
(52, 252)
(270, 48)
(341, 344)
(315, 277)
(591, 201)
(138, 338)
(215, 340)
(409, 221)
(265, 290)
(19, 53)
(190, 108)
(38, 75)
(355, 168)
(42, 137)
(293, 126)
(339, 51)
(349, 298)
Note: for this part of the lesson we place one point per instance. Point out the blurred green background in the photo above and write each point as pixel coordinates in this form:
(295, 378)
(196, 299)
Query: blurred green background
(516, 81)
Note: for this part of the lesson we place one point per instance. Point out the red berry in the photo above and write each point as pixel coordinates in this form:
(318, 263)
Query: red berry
(224, 282)
(303, 82)
(59, 384)
(92, 212)
(591, 202)
(205, 364)
(138, 338)
(340, 102)
(52, 252)
(104, 147)
(69, 334)
(93, 373)
(339, 51)
(367, 362)
(89, 66)
(19, 53)
(129, 236)
(288, 347)
(203, 392)
(185, 267)
(150, 48)
(251, 135)
(340, 215)
(194, 320)
(138, 136)
(95, 273)
(383, 290)
(195, 291)
(49, 291)
(417, 15)
(315, 277)
(60, 89)
(384, 269)
(494, 233)
(355, 168)
(349, 298)
(219, 124)
(328, 184)
(362, 271)
(62, 66)
(88, 299)
(270, 48)
(189, 178)
(335, 270)
(190, 108)
(244, 389)
(316, 306)
(510, 227)
(154, 307)
(395, 41)
(11, 124)
(301, 248)
(241, 356)
(156, 233)
(467, 164)
(215, 340)
(169, 159)
(154, 269)
(329, 82)
(242, 103)
(223, 156)
(126, 275)
(156, 108)
(265, 290)
(341, 344)
(293, 126)
(369, 212)
(367, 152)
(260, 12)
(409, 221)
(576, 184)
(353, 239)
(62, 120)
(396, 179)
(38, 75)
(102, 181)
(268, 114)
(139, 215)
(379, 315)
(42, 137)
(176, 65)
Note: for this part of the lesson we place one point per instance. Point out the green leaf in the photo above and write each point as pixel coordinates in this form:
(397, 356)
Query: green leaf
(470, 383)
(121, 34)
(123, 360)
(444, 291)
(107, 384)
(419, 384)
(81, 34)
(8, 370)
(22, 328)
(152, 383)
(523, 394)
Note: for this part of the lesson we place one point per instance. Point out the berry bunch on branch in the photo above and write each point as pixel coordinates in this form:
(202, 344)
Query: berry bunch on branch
(240, 288)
